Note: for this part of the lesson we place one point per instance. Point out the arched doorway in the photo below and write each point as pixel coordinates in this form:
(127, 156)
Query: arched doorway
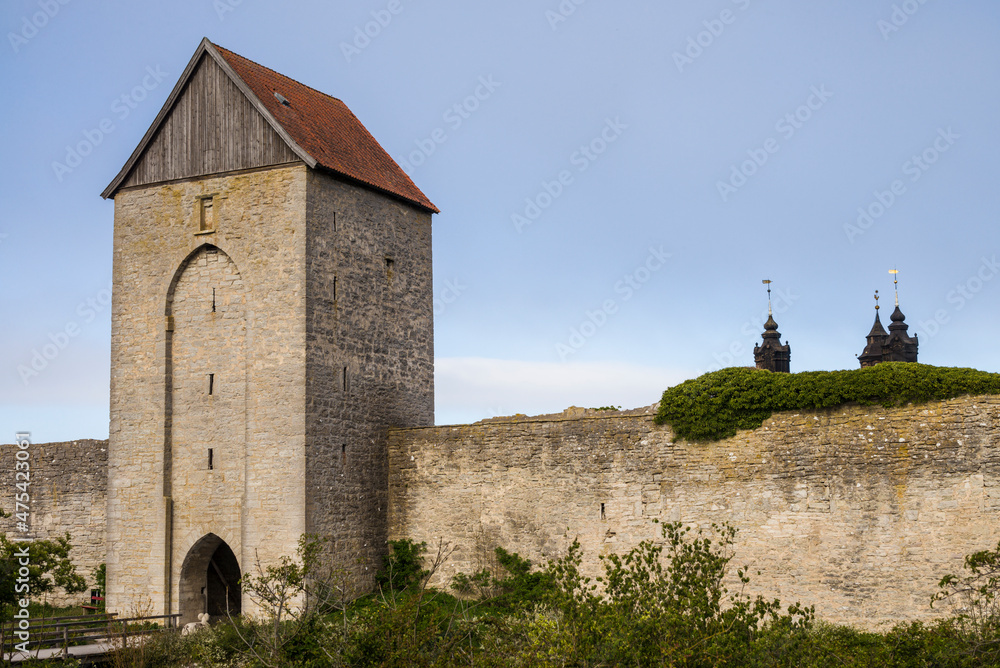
(210, 580)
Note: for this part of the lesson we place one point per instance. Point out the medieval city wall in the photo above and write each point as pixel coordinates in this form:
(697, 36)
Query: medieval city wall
(67, 492)
(858, 510)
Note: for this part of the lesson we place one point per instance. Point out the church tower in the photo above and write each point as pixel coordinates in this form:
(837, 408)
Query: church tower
(770, 354)
(872, 354)
(272, 317)
(892, 346)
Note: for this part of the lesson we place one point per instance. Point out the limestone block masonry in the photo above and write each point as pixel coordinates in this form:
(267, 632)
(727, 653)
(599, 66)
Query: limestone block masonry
(167, 336)
(67, 495)
(858, 510)
(369, 358)
(258, 358)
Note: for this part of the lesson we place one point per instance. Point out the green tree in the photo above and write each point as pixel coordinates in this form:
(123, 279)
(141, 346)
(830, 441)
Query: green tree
(408, 623)
(48, 567)
(510, 585)
(100, 577)
(291, 596)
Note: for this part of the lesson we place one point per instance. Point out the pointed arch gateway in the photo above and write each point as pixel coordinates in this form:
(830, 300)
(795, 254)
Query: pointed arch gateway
(205, 426)
(210, 580)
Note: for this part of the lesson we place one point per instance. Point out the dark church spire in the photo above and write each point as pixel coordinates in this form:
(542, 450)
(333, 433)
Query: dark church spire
(892, 346)
(872, 353)
(899, 347)
(770, 354)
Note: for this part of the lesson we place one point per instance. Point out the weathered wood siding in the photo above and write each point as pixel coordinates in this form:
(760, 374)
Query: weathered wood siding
(212, 129)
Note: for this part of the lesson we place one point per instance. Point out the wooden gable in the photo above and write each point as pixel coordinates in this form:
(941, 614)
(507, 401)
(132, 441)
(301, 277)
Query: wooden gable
(211, 128)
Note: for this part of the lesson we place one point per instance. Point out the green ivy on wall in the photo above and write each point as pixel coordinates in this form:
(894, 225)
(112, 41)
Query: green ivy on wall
(716, 405)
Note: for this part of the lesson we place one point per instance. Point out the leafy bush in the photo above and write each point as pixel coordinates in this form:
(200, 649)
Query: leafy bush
(664, 603)
(716, 405)
(402, 567)
(290, 596)
(976, 595)
(513, 587)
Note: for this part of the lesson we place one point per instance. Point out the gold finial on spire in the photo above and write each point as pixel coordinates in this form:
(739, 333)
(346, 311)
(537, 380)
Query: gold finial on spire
(876, 301)
(767, 282)
(895, 283)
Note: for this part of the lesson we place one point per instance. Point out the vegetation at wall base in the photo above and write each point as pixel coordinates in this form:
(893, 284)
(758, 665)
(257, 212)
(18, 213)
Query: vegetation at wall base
(664, 603)
(49, 568)
(716, 405)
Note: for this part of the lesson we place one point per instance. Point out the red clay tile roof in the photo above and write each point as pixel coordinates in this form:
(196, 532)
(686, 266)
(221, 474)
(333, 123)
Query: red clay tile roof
(326, 129)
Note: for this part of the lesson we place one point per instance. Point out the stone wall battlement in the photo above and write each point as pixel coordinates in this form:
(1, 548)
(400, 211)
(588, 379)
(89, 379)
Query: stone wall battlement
(68, 493)
(858, 510)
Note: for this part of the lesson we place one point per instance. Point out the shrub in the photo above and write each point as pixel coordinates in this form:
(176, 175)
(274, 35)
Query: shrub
(976, 595)
(716, 405)
(402, 567)
(513, 585)
(664, 603)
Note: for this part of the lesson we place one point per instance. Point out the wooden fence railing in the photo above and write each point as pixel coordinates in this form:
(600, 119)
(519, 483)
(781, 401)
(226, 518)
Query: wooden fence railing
(90, 634)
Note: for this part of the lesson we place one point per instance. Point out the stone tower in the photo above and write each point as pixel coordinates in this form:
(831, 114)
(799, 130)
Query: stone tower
(272, 317)
(770, 354)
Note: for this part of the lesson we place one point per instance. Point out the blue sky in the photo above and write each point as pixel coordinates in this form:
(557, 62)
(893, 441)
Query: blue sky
(615, 180)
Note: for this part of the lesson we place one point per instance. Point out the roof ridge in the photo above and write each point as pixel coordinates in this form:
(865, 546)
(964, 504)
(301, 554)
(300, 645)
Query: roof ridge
(275, 72)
